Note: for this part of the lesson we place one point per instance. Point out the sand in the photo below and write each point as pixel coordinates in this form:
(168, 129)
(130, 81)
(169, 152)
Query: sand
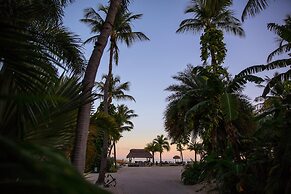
(150, 180)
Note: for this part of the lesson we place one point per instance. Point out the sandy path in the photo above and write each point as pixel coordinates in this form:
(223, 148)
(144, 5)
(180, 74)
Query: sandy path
(150, 180)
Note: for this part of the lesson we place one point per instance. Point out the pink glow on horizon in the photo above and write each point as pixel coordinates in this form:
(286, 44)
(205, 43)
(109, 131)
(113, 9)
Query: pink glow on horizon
(123, 150)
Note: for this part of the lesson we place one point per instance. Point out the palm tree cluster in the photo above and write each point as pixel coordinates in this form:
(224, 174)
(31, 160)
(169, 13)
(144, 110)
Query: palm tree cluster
(116, 121)
(240, 145)
(158, 145)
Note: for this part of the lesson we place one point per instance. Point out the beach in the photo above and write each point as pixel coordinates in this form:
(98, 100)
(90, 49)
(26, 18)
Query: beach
(150, 180)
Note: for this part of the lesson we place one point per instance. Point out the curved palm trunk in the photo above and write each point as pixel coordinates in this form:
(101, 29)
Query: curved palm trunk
(195, 155)
(161, 158)
(153, 153)
(80, 145)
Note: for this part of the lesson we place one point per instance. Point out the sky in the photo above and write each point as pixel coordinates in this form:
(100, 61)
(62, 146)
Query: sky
(150, 65)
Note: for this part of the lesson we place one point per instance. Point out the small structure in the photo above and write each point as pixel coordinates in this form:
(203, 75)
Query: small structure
(176, 157)
(139, 153)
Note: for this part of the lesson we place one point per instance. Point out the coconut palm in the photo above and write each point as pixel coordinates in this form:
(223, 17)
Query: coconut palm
(162, 143)
(116, 89)
(180, 149)
(152, 147)
(79, 152)
(123, 116)
(121, 31)
(196, 147)
(212, 17)
(99, 123)
(206, 106)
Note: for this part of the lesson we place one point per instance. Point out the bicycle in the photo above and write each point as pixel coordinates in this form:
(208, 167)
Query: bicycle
(109, 181)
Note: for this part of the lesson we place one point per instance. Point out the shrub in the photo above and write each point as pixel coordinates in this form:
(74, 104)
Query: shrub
(191, 173)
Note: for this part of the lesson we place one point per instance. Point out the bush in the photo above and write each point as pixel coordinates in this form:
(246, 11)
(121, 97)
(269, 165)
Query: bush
(191, 173)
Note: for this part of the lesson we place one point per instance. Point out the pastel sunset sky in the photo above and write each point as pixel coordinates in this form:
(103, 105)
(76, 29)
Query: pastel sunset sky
(149, 66)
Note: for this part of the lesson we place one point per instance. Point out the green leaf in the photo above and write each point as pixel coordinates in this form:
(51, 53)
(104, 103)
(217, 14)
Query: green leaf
(27, 168)
(229, 106)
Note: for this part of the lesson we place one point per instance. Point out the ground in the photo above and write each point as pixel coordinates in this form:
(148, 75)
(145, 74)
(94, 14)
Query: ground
(150, 180)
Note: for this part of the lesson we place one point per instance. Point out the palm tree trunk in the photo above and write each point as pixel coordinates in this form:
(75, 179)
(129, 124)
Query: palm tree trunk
(114, 147)
(195, 155)
(153, 153)
(161, 158)
(106, 102)
(181, 153)
(80, 145)
(110, 149)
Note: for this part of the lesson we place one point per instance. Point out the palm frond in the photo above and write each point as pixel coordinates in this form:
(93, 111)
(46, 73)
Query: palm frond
(229, 106)
(27, 168)
(286, 76)
(253, 7)
(239, 81)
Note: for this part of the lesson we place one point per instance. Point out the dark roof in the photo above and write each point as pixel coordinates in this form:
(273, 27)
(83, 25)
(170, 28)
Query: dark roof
(176, 157)
(139, 153)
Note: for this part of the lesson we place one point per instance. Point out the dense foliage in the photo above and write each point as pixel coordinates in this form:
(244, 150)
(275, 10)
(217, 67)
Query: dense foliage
(244, 149)
(40, 93)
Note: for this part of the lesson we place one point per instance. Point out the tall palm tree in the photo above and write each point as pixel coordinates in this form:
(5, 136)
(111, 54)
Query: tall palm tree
(162, 143)
(211, 17)
(121, 31)
(152, 147)
(78, 155)
(114, 91)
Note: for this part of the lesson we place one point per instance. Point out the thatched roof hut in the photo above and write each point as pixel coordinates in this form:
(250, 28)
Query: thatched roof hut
(139, 153)
(176, 157)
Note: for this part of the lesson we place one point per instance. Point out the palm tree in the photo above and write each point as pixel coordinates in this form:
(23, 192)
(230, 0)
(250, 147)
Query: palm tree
(211, 17)
(180, 149)
(196, 147)
(152, 147)
(99, 123)
(121, 31)
(79, 151)
(116, 89)
(122, 116)
(206, 106)
(162, 143)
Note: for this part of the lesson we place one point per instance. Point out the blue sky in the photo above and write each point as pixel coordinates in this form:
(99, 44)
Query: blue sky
(149, 65)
